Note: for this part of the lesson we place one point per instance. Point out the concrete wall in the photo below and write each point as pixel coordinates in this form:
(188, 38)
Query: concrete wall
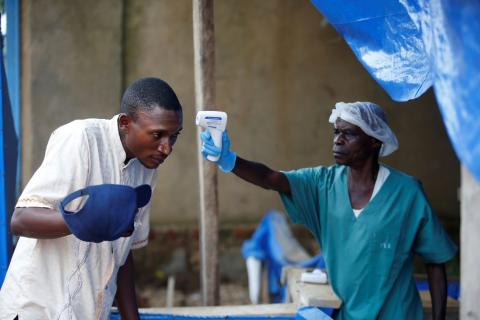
(280, 67)
(71, 68)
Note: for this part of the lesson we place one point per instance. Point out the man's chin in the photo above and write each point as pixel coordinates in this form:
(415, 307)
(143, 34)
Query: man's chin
(340, 161)
(151, 165)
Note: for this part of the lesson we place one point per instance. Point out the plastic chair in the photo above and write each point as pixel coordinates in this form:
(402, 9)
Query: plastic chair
(273, 246)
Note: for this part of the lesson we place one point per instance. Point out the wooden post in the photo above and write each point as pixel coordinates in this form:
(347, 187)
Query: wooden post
(204, 56)
(469, 243)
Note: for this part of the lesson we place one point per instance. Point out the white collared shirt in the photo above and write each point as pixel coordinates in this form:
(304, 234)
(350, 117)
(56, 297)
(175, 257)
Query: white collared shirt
(66, 278)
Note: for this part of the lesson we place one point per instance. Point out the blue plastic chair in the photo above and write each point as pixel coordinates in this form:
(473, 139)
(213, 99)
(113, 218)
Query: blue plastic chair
(274, 247)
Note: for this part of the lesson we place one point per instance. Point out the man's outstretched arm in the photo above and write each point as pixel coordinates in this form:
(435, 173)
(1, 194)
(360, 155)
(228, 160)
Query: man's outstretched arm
(437, 282)
(40, 223)
(261, 175)
(253, 172)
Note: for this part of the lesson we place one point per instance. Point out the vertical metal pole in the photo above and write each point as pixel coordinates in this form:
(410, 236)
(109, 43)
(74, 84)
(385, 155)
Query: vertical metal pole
(469, 243)
(204, 59)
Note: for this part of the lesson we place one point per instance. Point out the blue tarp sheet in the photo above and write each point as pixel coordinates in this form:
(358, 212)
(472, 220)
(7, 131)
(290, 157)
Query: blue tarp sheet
(274, 244)
(8, 170)
(409, 46)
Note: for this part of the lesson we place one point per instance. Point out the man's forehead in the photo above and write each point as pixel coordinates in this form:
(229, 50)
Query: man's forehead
(158, 113)
(160, 118)
(342, 124)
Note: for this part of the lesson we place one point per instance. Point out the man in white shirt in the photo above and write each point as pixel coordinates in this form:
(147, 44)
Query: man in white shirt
(54, 275)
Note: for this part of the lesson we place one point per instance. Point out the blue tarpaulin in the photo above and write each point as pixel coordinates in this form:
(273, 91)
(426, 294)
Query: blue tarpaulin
(159, 316)
(274, 244)
(8, 170)
(409, 46)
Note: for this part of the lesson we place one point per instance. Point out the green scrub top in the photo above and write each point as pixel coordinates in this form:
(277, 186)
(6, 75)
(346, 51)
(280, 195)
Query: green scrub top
(369, 259)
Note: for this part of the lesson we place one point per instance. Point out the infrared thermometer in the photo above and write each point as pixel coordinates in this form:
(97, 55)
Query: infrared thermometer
(215, 122)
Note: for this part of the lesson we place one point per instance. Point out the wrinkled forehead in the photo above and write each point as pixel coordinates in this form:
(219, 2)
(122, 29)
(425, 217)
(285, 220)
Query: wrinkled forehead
(341, 124)
(160, 118)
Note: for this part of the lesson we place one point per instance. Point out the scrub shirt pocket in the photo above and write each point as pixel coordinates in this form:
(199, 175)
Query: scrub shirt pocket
(383, 246)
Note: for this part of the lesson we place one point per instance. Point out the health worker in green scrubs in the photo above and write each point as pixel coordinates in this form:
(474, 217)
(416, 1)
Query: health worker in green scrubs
(369, 219)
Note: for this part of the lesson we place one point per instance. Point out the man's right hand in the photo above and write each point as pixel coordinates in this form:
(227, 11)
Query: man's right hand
(227, 158)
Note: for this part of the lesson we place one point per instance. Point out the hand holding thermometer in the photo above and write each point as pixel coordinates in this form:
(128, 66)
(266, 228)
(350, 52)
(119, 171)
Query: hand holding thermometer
(216, 123)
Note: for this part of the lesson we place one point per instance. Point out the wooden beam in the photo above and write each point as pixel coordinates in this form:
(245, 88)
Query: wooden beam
(308, 294)
(322, 295)
(204, 60)
(277, 309)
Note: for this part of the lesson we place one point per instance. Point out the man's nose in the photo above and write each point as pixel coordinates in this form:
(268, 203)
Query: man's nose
(165, 148)
(338, 139)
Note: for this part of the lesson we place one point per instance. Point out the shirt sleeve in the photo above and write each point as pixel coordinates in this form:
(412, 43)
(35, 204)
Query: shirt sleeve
(432, 242)
(63, 170)
(302, 205)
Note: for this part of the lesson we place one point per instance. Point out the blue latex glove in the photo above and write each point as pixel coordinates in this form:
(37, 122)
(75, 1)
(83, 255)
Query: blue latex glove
(227, 159)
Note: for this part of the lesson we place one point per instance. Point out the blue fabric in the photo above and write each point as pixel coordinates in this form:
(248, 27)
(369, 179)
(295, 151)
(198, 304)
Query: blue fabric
(107, 214)
(409, 45)
(116, 316)
(453, 288)
(385, 40)
(264, 245)
(8, 169)
(311, 313)
(305, 313)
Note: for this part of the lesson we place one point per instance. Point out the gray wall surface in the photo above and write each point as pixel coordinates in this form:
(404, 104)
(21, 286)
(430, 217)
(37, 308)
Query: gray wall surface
(71, 68)
(280, 68)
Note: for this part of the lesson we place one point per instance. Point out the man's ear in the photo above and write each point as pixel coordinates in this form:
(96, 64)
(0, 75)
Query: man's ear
(124, 122)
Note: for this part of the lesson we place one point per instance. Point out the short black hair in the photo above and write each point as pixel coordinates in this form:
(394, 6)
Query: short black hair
(145, 94)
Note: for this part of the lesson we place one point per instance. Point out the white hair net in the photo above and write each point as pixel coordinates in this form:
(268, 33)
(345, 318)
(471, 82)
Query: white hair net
(371, 119)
